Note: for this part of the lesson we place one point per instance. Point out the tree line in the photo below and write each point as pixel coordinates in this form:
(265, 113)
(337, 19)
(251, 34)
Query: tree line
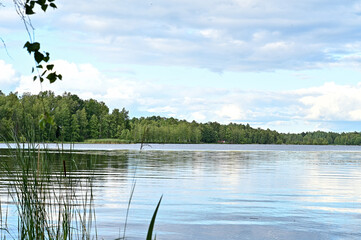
(78, 120)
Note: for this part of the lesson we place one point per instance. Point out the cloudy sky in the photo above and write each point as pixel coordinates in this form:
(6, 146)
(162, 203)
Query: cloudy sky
(290, 66)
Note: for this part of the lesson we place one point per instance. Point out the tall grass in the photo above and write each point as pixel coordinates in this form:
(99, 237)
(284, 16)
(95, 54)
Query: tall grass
(51, 203)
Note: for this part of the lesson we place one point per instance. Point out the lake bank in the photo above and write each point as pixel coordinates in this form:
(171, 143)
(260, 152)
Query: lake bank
(195, 147)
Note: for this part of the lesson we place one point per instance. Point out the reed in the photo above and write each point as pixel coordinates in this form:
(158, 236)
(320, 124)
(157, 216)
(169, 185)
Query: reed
(50, 203)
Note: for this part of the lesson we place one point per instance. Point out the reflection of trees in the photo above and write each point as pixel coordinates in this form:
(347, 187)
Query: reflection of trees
(102, 167)
(99, 167)
(112, 172)
(171, 164)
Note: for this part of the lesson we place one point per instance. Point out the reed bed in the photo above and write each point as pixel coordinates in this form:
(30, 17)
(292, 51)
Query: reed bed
(50, 203)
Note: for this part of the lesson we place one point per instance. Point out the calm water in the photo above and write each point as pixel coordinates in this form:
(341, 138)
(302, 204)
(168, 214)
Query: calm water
(226, 191)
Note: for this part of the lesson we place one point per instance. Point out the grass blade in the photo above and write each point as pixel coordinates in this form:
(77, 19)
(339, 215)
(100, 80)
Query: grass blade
(151, 225)
(129, 202)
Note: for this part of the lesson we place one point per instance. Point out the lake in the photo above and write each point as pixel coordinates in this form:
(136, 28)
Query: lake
(221, 191)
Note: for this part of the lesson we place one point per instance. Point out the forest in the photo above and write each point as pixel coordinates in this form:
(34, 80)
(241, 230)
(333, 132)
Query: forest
(77, 120)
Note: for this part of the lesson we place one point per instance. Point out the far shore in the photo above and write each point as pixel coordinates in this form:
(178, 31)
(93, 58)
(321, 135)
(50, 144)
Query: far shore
(126, 142)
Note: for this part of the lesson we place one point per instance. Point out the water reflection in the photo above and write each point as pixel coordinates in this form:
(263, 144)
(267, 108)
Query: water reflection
(223, 194)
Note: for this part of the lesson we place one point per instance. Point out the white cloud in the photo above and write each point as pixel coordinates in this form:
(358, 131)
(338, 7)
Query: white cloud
(210, 33)
(237, 35)
(161, 110)
(77, 78)
(227, 35)
(198, 116)
(7, 74)
(294, 126)
(274, 48)
(355, 115)
(332, 102)
(231, 112)
(299, 110)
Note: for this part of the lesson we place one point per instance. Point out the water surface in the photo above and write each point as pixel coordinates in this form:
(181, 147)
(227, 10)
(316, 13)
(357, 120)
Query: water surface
(225, 191)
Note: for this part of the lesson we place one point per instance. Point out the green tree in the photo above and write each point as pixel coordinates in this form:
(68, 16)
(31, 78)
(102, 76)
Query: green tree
(75, 129)
(209, 135)
(83, 124)
(94, 127)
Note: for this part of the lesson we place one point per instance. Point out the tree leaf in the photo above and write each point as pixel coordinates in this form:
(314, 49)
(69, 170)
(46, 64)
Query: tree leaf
(44, 7)
(32, 47)
(28, 10)
(52, 5)
(38, 57)
(50, 67)
(27, 45)
(35, 46)
(41, 2)
(34, 78)
(46, 59)
(51, 77)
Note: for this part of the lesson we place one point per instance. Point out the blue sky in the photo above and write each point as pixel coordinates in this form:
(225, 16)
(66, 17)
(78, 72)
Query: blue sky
(290, 66)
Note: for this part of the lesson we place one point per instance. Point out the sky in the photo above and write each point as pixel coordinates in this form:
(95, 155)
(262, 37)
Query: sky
(289, 66)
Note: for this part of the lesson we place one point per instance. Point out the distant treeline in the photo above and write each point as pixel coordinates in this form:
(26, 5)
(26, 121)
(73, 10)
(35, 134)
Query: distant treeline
(78, 120)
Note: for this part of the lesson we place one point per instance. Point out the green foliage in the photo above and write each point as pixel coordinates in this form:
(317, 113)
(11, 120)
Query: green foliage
(107, 141)
(45, 118)
(62, 118)
(41, 59)
(209, 134)
(25, 10)
(43, 4)
(69, 118)
(94, 127)
(75, 129)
